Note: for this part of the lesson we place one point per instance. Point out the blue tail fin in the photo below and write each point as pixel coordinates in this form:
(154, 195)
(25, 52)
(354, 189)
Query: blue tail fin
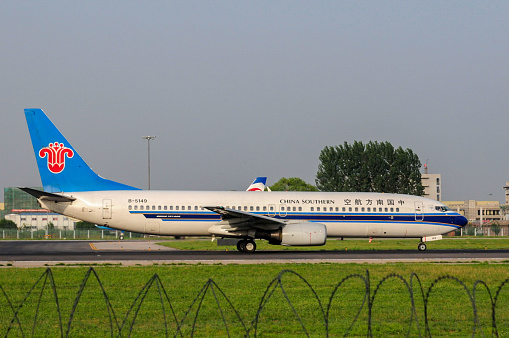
(61, 168)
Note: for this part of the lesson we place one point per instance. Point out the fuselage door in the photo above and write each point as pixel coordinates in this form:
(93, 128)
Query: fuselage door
(419, 211)
(107, 209)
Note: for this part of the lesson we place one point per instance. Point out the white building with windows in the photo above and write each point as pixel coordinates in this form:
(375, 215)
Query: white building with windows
(39, 220)
(432, 186)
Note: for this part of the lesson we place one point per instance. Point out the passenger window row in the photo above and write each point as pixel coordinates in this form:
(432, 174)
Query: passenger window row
(263, 208)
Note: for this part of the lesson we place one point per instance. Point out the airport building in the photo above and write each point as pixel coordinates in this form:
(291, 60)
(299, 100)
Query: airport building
(432, 184)
(477, 211)
(23, 209)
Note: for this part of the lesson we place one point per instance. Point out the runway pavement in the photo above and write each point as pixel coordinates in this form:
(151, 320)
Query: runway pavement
(50, 253)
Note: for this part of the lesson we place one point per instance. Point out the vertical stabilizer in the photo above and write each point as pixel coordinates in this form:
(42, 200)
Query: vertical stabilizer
(61, 168)
(258, 184)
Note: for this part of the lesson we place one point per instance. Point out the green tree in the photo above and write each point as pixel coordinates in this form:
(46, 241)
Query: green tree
(292, 184)
(371, 167)
(7, 224)
(495, 227)
(84, 226)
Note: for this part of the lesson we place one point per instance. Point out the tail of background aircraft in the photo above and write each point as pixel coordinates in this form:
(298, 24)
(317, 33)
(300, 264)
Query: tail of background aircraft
(258, 184)
(61, 168)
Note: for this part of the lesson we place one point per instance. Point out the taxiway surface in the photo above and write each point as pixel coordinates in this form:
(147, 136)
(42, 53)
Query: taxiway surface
(41, 253)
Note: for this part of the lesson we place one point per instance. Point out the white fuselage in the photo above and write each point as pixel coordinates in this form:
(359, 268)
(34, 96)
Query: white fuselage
(182, 213)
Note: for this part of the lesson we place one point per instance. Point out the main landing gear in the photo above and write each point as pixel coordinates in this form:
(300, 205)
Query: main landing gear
(246, 245)
(421, 246)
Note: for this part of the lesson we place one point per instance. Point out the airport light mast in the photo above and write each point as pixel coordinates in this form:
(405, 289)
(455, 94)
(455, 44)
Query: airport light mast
(148, 138)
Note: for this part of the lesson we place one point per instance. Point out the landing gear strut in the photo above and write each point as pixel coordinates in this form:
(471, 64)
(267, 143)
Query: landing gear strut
(246, 245)
(421, 246)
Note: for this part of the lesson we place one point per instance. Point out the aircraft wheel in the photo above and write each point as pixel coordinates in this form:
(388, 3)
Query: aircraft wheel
(421, 246)
(250, 246)
(246, 245)
(241, 245)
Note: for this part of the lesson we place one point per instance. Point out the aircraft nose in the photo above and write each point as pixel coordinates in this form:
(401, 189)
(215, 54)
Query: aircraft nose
(462, 220)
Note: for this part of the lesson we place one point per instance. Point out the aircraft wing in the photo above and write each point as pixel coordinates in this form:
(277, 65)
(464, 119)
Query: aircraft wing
(235, 220)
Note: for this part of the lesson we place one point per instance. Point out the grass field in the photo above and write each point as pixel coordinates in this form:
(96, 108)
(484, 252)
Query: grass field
(472, 243)
(227, 299)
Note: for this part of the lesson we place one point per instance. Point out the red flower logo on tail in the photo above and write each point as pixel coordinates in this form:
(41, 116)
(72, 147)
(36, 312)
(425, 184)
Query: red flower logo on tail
(56, 153)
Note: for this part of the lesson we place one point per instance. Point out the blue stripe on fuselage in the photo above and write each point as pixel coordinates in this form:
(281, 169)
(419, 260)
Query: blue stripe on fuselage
(436, 219)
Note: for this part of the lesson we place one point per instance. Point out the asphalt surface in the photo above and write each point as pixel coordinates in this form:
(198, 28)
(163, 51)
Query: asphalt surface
(48, 253)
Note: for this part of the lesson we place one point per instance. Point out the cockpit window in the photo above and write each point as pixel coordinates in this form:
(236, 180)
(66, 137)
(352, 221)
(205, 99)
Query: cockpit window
(442, 208)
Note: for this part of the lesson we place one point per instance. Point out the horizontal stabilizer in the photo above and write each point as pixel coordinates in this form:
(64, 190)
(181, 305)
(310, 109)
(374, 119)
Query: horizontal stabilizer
(47, 196)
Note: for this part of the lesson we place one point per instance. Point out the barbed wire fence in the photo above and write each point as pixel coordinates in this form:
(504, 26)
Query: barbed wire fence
(40, 313)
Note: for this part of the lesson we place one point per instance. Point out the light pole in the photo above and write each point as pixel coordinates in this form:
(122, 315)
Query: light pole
(148, 138)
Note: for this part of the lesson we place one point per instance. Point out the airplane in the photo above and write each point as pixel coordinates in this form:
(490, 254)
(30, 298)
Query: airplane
(258, 184)
(287, 218)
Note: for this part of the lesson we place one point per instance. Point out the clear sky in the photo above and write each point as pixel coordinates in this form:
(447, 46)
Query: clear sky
(239, 89)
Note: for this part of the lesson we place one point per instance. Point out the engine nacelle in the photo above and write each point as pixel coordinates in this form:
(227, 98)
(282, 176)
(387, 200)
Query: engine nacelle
(300, 234)
(304, 234)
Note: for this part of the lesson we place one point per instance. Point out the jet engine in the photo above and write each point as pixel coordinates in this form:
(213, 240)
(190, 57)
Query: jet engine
(299, 234)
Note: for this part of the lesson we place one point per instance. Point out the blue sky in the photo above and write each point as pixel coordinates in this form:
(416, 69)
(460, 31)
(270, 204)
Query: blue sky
(239, 89)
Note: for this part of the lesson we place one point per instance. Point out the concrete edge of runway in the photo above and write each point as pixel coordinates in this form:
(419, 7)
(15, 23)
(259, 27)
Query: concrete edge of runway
(134, 263)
